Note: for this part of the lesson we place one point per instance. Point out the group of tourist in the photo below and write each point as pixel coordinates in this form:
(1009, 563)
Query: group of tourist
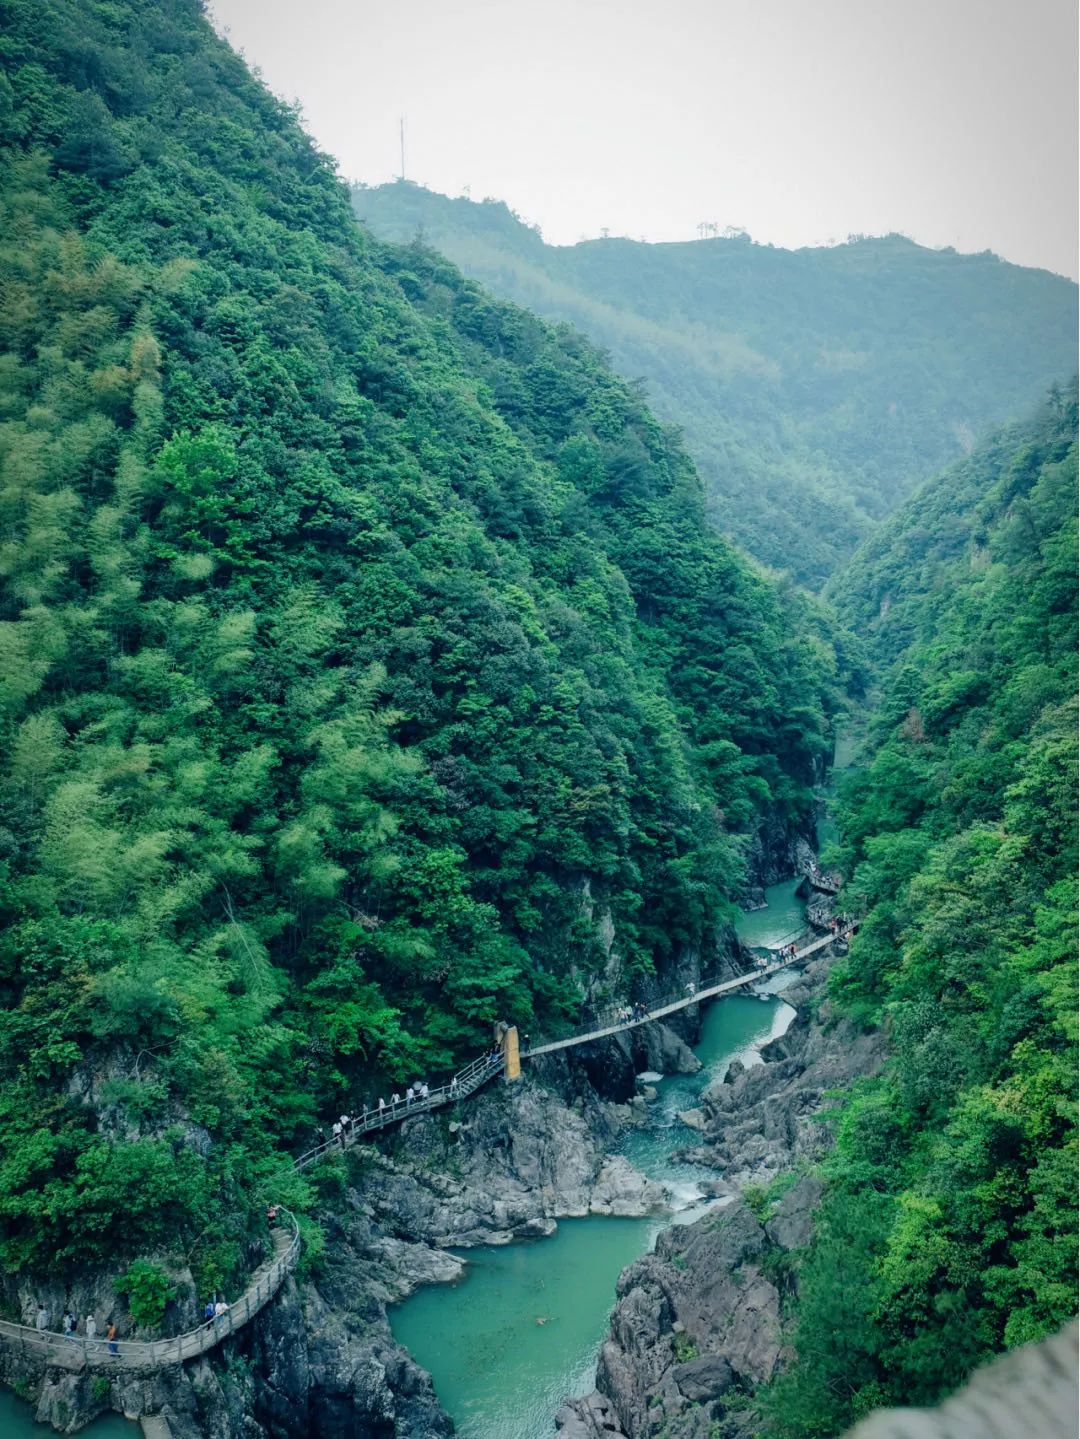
(69, 1328)
(629, 1013)
(346, 1125)
(215, 1312)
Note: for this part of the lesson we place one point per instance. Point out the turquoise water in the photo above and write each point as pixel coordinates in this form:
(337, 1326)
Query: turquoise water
(519, 1332)
(17, 1422)
(782, 916)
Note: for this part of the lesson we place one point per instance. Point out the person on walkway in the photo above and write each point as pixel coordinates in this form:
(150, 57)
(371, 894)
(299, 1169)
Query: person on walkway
(345, 1121)
(220, 1311)
(110, 1335)
(208, 1312)
(272, 1211)
(42, 1320)
(691, 989)
(69, 1324)
(425, 1092)
(91, 1329)
(408, 1096)
(336, 1131)
(382, 1104)
(454, 1087)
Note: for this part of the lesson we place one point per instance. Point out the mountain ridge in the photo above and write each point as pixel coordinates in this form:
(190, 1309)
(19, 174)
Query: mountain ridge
(816, 388)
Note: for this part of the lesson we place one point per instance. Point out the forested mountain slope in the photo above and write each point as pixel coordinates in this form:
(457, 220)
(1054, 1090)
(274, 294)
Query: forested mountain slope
(817, 388)
(365, 652)
(948, 1227)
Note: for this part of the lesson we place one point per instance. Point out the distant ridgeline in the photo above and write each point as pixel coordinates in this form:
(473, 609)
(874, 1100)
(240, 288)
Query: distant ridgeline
(817, 388)
(369, 668)
(948, 1227)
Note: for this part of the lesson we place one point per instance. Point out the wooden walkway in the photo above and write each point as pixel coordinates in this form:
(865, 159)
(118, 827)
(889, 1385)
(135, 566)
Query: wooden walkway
(99, 1355)
(712, 991)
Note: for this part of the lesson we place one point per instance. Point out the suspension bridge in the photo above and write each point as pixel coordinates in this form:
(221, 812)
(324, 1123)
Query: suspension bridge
(100, 1354)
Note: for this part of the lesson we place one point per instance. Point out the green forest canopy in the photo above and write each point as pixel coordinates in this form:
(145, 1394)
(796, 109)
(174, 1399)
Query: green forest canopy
(817, 388)
(948, 1228)
(364, 649)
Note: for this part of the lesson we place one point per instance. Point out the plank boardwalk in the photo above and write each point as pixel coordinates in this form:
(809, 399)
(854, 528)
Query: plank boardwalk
(97, 1355)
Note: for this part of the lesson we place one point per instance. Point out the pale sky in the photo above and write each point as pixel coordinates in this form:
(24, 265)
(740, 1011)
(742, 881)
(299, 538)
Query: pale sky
(801, 121)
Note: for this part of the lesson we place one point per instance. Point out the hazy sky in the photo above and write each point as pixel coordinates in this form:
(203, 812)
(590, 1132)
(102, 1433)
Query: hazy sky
(801, 121)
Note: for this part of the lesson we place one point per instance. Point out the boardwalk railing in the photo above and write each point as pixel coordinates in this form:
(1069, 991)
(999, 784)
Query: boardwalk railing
(78, 1352)
(100, 1353)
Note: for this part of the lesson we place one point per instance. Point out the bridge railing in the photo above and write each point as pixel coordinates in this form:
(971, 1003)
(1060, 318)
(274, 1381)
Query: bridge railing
(467, 1081)
(76, 1351)
(614, 1016)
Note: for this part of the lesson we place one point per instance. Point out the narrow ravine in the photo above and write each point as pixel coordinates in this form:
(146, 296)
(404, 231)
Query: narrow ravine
(520, 1331)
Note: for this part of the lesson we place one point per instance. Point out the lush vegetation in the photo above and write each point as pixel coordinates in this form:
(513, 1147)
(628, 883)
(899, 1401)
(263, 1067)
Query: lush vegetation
(948, 1230)
(369, 671)
(816, 388)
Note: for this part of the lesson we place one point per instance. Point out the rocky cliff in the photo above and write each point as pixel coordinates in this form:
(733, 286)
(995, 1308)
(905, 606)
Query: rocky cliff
(697, 1323)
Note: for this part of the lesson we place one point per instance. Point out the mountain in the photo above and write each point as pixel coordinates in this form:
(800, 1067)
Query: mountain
(947, 1230)
(370, 671)
(817, 388)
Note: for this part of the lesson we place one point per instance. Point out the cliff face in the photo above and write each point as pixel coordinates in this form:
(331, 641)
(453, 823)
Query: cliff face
(697, 1323)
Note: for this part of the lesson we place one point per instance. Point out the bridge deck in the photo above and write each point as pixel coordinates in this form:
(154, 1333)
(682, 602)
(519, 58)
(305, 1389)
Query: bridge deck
(711, 992)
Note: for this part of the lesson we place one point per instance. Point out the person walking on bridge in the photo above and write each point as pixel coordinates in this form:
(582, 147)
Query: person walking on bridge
(91, 1331)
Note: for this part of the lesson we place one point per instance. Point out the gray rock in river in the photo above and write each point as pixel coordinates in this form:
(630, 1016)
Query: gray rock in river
(692, 1320)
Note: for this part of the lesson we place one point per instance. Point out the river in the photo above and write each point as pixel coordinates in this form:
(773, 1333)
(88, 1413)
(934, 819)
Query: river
(520, 1330)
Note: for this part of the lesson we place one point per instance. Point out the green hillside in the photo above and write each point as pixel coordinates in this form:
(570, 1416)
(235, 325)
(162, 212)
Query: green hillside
(365, 651)
(949, 1225)
(816, 388)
